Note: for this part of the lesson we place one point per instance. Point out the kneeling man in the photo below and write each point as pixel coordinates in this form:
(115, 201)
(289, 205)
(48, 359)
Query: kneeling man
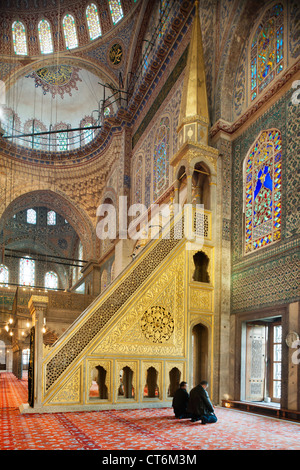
(200, 406)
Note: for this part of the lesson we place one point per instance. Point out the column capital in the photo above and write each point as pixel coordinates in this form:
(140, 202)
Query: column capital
(37, 302)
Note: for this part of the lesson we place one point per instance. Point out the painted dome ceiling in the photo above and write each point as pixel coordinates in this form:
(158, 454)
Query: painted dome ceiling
(57, 88)
(62, 72)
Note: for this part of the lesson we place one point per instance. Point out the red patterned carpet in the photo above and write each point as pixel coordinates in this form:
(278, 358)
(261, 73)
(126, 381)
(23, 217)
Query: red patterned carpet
(147, 429)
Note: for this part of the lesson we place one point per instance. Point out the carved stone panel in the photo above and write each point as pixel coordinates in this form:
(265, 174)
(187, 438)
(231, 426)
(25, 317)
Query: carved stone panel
(154, 324)
(71, 391)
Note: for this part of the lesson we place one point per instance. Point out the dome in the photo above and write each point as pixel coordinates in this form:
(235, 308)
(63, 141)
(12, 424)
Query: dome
(63, 98)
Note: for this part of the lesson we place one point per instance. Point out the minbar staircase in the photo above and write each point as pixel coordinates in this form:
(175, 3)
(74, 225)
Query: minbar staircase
(155, 279)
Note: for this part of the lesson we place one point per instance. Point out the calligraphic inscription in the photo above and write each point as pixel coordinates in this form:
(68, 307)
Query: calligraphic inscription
(116, 54)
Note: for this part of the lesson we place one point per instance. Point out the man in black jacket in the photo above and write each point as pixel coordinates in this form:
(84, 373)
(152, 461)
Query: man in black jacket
(200, 406)
(180, 401)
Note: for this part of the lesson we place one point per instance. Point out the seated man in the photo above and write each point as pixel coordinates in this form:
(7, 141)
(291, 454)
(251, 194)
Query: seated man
(200, 406)
(180, 401)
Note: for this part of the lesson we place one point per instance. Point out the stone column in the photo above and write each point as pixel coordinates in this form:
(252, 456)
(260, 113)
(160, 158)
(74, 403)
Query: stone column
(220, 190)
(38, 307)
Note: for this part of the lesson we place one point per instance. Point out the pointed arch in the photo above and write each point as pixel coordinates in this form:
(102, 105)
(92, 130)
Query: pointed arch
(62, 205)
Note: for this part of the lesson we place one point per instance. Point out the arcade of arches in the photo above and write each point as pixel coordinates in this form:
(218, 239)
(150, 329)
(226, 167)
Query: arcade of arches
(119, 120)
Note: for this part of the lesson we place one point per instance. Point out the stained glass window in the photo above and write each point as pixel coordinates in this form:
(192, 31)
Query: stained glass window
(31, 216)
(92, 18)
(27, 271)
(115, 10)
(267, 50)
(3, 275)
(263, 191)
(51, 218)
(51, 280)
(62, 141)
(70, 32)
(138, 181)
(161, 158)
(34, 141)
(45, 37)
(19, 38)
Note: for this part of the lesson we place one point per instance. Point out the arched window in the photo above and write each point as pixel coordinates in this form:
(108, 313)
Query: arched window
(61, 139)
(88, 133)
(161, 158)
(10, 122)
(51, 218)
(3, 275)
(27, 271)
(262, 182)
(267, 50)
(34, 127)
(79, 257)
(36, 140)
(92, 18)
(19, 38)
(51, 280)
(70, 32)
(138, 181)
(115, 10)
(45, 37)
(80, 251)
(31, 216)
